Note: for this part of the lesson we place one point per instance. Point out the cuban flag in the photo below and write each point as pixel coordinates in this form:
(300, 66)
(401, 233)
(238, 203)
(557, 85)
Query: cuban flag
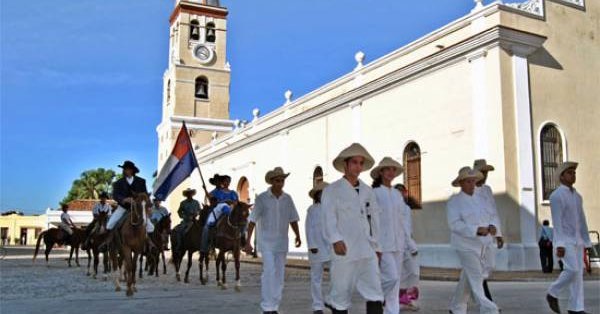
(178, 166)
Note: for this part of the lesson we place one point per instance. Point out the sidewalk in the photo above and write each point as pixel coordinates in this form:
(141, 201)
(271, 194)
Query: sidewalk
(446, 274)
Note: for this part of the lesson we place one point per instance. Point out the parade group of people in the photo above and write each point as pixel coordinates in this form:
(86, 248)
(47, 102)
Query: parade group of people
(363, 233)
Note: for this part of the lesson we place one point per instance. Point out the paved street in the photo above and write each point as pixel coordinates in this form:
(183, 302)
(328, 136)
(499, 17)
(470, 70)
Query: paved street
(37, 288)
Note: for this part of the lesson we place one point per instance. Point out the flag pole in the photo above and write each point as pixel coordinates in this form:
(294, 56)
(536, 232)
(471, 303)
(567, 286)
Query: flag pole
(197, 164)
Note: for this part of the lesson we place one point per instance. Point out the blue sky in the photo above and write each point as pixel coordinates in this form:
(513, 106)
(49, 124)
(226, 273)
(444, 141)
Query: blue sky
(81, 81)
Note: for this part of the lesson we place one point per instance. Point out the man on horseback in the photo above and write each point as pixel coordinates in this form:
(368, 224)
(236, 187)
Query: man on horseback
(215, 214)
(223, 195)
(158, 211)
(101, 207)
(124, 191)
(66, 224)
(189, 208)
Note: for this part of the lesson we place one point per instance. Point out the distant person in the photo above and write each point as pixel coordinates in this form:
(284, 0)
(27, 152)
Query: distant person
(319, 251)
(571, 237)
(66, 224)
(545, 244)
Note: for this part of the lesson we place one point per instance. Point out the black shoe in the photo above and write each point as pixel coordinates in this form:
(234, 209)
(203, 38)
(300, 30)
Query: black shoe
(374, 307)
(553, 303)
(318, 312)
(486, 291)
(578, 312)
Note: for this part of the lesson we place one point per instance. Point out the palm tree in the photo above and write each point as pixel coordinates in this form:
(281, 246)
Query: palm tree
(90, 184)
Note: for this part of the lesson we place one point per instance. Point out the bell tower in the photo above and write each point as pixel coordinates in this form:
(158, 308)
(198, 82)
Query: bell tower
(196, 82)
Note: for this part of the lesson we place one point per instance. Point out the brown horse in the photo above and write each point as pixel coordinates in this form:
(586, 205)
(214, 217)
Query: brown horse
(128, 242)
(95, 241)
(57, 236)
(191, 243)
(228, 239)
(155, 247)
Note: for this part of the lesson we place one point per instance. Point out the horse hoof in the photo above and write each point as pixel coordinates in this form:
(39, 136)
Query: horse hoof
(117, 289)
(87, 274)
(129, 293)
(238, 289)
(94, 277)
(178, 277)
(134, 289)
(223, 287)
(219, 284)
(105, 278)
(186, 280)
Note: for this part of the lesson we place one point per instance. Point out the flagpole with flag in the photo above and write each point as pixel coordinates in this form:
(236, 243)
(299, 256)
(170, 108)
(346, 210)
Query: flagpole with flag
(178, 167)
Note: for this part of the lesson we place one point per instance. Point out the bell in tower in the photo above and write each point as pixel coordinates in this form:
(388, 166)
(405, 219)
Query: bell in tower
(211, 36)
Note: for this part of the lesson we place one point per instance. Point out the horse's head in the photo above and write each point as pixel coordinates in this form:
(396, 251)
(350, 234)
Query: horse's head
(240, 213)
(164, 225)
(102, 218)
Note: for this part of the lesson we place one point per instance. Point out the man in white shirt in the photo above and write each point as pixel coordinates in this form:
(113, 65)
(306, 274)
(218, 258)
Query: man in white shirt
(351, 225)
(470, 234)
(101, 207)
(392, 236)
(319, 251)
(273, 211)
(158, 211)
(484, 191)
(66, 224)
(570, 238)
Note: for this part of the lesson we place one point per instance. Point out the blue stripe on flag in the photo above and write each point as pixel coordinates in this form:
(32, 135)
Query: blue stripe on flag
(180, 172)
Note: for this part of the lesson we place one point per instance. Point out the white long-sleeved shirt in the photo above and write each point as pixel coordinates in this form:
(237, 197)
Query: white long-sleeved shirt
(411, 245)
(568, 218)
(272, 216)
(99, 208)
(489, 202)
(351, 214)
(392, 236)
(315, 238)
(466, 213)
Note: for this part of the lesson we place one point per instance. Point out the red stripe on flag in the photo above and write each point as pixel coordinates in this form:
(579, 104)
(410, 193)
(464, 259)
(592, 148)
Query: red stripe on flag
(182, 146)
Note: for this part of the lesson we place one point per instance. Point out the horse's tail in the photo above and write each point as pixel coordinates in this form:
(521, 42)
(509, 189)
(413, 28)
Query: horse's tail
(37, 246)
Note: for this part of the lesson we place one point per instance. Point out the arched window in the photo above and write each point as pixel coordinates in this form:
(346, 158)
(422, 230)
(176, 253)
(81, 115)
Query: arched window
(168, 91)
(201, 90)
(211, 35)
(412, 172)
(317, 175)
(243, 190)
(551, 156)
(194, 30)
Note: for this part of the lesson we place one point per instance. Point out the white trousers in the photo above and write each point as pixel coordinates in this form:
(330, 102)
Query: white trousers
(489, 259)
(362, 274)
(471, 280)
(572, 277)
(316, 284)
(271, 287)
(391, 272)
(118, 213)
(410, 271)
(66, 228)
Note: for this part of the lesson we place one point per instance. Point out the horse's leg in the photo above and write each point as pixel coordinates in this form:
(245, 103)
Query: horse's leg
(201, 260)
(236, 257)
(217, 269)
(70, 256)
(141, 263)
(189, 265)
(105, 264)
(77, 256)
(96, 262)
(177, 257)
(162, 254)
(133, 280)
(115, 268)
(224, 269)
(47, 251)
(129, 269)
(89, 263)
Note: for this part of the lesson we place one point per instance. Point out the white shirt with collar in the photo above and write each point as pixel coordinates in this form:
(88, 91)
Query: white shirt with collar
(272, 216)
(392, 234)
(487, 197)
(99, 208)
(66, 219)
(352, 217)
(568, 218)
(129, 180)
(411, 245)
(466, 213)
(315, 238)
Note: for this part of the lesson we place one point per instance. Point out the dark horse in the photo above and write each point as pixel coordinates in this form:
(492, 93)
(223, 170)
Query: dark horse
(227, 239)
(129, 240)
(95, 241)
(57, 236)
(155, 247)
(191, 243)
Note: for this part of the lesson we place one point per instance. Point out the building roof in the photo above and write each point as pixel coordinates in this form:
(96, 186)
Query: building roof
(82, 205)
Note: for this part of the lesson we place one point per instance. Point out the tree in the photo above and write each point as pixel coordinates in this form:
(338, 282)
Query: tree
(90, 184)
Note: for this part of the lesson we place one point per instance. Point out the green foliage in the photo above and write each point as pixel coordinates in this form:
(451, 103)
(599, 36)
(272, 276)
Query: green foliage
(90, 184)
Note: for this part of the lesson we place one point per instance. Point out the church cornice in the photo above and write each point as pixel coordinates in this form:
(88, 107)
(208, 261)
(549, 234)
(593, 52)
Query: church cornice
(199, 9)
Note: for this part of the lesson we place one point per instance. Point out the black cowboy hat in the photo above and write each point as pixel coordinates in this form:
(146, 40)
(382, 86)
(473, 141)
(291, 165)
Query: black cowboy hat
(103, 195)
(129, 165)
(215, 179)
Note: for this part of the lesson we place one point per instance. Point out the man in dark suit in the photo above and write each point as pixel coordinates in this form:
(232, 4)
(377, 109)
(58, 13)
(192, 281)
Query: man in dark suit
(123, 193)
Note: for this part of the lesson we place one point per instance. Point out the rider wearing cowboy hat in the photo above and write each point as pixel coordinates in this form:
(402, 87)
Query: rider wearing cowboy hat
(124, 190)
(101, 207)
(189, 208)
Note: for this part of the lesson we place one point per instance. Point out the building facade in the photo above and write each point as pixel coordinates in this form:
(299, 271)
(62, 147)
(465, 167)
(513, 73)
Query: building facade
(516, 84)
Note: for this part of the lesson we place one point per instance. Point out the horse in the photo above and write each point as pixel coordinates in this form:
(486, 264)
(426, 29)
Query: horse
(57, 236)
(155, 247)
(227, 239)
(191, 243)
(95, 240)
(128, 242)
